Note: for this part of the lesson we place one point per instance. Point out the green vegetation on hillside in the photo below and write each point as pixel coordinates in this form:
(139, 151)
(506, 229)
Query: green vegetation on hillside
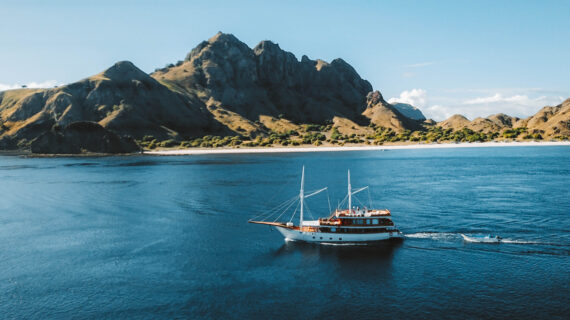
(313, 134)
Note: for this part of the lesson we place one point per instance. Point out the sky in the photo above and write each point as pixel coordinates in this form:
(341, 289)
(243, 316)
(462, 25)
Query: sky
(474, 58)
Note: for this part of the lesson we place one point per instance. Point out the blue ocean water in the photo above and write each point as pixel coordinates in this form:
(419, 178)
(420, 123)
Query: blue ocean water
(167, 237)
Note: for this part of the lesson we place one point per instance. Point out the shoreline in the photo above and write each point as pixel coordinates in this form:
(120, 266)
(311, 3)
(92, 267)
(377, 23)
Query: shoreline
(199, 151)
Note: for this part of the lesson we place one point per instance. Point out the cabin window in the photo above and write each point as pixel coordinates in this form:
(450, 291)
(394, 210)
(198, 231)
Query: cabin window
(333, 229)
(374, 221)
(367, 221)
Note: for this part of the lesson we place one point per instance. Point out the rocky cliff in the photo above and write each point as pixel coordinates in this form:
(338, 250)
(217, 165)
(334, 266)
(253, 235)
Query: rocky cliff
(238, 84)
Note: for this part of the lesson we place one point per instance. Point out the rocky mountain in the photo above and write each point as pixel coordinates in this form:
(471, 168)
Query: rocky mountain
(79, 137)
(222, 87)
(123, 99)
(381, 113)
(238, 84)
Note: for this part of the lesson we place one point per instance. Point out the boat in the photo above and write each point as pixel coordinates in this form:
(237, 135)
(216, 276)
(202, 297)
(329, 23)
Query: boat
(351, 225)
(482, 238)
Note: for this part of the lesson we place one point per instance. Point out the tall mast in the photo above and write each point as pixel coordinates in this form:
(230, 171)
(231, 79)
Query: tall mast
(349, 194)
(302, 196)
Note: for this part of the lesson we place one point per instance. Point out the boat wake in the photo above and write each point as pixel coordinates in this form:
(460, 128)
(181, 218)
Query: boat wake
(475, 238)
(482, 238)
(433, 235)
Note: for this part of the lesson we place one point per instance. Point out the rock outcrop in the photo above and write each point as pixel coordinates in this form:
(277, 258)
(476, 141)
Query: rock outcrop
(552, 121)
(81, 137)
(381, 113)
(409, 111)
(267, 80)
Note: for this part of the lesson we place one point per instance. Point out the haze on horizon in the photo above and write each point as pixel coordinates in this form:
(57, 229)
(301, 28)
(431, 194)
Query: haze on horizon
(445, 57)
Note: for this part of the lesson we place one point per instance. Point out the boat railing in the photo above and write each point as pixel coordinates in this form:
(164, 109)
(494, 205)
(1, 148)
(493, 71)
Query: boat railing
(328, 222)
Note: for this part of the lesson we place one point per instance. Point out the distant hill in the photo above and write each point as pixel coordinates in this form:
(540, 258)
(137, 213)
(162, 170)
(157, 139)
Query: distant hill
(123, 99)
(409, 111)
(548, 122)
(224, 88)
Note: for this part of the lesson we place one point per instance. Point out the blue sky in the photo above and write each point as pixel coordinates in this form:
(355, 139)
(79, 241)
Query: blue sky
(471, 57)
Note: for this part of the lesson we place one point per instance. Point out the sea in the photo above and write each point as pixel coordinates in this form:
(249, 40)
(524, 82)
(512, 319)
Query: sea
(151, 237)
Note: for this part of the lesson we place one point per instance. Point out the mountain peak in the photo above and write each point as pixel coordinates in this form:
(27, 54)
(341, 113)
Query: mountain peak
(125, 71)
(222, 44)
(266, 45)
(224, 37)
(375, 97)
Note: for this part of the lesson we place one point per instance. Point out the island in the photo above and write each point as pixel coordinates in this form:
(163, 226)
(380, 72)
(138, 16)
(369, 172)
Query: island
(225, 94)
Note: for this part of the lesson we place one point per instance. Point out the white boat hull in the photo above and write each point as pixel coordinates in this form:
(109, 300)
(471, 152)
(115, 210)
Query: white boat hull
(325, 237)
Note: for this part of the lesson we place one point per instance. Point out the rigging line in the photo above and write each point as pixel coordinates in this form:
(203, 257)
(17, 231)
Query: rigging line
(283, 212)
(362, 204)
(343, 201)
(284, 185)
(295, 212)
(283, 203)
(370, 199)
(269, 212)
(287, 183)
(329, 201)
(276, 209)
(268, 216)
(309, 211)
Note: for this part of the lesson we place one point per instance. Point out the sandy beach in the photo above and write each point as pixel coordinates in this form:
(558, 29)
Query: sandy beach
(198, 151)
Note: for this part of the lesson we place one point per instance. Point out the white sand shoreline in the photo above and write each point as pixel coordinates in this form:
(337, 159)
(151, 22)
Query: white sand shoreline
(198, 151)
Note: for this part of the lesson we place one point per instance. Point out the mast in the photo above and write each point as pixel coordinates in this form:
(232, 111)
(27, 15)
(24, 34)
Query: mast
(302, 196)
(349, 194)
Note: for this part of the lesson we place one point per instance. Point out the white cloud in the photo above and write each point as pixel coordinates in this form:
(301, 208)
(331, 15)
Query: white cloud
(45, 84)
(522, 100)
(419, 65)
(415, 97)
(518, 105)
(514, 102)
(439, 112)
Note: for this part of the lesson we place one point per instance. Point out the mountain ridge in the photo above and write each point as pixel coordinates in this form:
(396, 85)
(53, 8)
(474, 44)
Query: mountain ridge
(223, 87)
